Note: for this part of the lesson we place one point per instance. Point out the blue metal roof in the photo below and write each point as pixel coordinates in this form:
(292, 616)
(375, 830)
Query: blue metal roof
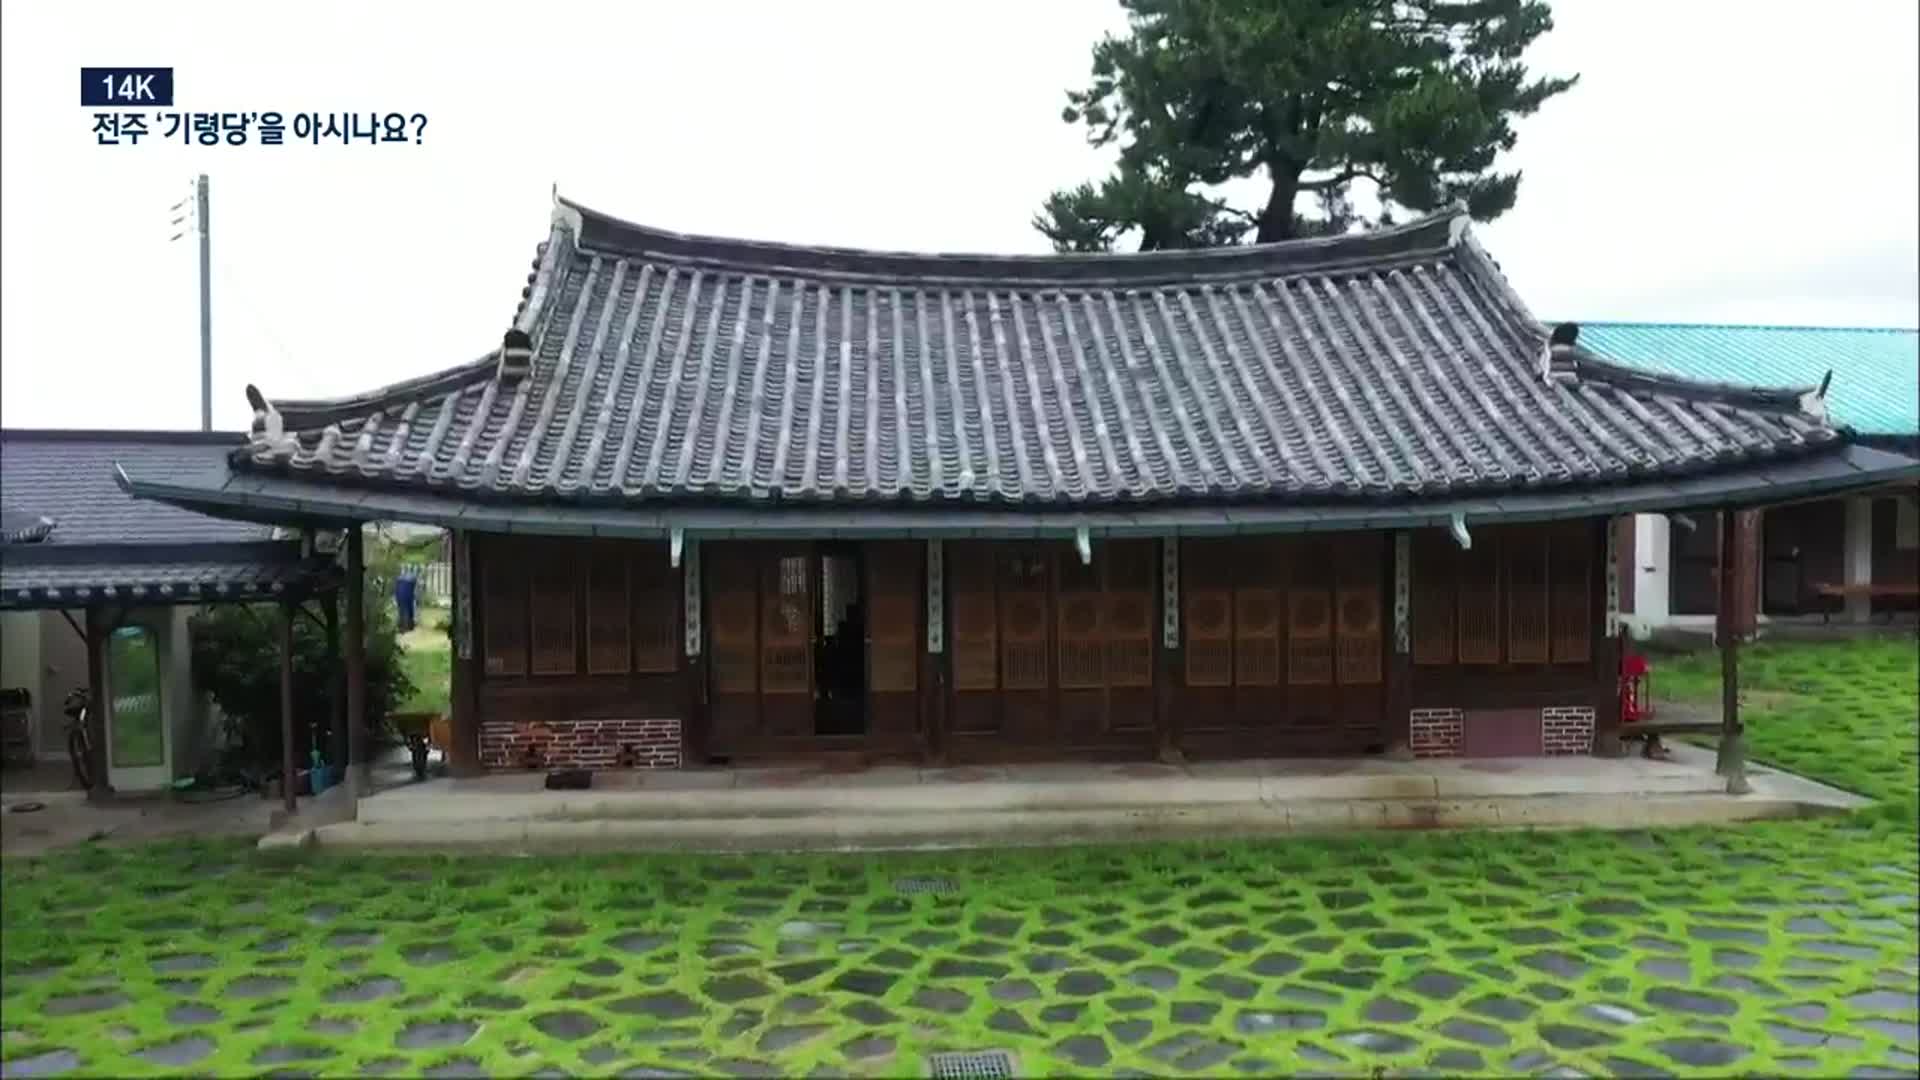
(1876, 372)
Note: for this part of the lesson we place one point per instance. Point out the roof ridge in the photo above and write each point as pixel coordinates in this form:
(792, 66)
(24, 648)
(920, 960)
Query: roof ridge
(595, 231)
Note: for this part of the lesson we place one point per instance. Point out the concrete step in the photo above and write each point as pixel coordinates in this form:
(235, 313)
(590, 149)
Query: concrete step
(949, 827)
(438, 803)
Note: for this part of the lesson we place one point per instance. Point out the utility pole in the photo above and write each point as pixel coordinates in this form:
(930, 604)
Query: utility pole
(204, 231)
(206, 305)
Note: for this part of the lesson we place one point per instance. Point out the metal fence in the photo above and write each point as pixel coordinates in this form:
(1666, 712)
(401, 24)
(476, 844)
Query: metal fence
(436, 583)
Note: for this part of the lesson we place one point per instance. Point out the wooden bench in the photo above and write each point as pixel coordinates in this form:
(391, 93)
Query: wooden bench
(1866, 589)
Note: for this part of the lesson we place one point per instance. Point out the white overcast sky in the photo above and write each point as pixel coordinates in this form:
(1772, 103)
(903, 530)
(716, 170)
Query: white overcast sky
(1720, 161)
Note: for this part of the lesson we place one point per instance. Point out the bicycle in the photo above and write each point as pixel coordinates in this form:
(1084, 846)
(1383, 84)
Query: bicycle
(79, 739)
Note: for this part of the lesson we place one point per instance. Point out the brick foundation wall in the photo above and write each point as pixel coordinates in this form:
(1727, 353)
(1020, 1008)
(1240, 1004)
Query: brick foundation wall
(652, 743)
(1435, 732)
(1567, 729)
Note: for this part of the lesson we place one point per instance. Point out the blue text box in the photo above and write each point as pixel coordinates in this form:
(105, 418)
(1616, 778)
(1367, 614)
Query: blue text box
(125, 87)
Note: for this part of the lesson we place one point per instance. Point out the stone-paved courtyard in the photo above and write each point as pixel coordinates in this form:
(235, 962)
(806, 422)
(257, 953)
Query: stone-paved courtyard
(1782, 947)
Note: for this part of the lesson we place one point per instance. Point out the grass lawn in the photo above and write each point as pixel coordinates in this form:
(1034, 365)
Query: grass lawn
(1782, 947)
(427, 657)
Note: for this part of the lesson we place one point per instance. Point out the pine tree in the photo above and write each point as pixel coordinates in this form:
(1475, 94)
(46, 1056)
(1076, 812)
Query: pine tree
(1413, 98)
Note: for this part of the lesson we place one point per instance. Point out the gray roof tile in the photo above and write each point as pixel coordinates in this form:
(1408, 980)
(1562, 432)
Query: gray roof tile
(1389, 365)
(67, 476)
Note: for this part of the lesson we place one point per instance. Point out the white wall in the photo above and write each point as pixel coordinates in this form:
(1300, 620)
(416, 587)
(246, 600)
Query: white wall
(1650, 561)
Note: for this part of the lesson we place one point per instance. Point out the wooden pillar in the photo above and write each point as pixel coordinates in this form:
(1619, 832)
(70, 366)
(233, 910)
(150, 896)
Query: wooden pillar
(939, 665)
(1731, 760)
(288, 768)
(1398, 729)
(360, 770)
(97, 629)
(463, 700)
(336, 749)
(1167, 727)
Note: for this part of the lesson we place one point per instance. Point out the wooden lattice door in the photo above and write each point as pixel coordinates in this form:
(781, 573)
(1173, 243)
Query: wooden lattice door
(895, 585)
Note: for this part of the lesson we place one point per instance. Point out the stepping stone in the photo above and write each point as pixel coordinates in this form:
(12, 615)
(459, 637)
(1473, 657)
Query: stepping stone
(1473, 1032)
(1573, 1037)
(1433, 985)
(868, 1013)
(1736, 958)
(569, 1025)
(1543, 991)
(968, 969)
(1161, 936)
(579, 991)
(1130, 1032)
(639, 942)
(1675, 970)
(1198, 959)
(1376, 1042)
(363, 991)
(733, 988)
(1740, 984)
(79, 1004)
(1130, 1004)
(601, 969)
(1084, 1051)
(1113, 954)
(1811, 924)
(661, 1006)
(1885, 1001)
(182, 962)
(1011, 1022)
(461, 1067)
(802, 1004)
(1793, 1036)
(997, 926)
(334, 1028)
(435, 1035)
(1231, 986)
(1700, 1053)
(1728, 933)
(1059, 939)
(192, 1012)
(864, 981)
(1558, 964)
(1064, 1013)
(428, 955)
(802, 971)
(941, 1000)
(1261, 1023)
(1194, 1012)
(1389, 1010)
(1189, 1052)
(1691, 1001)
(1154, 978)
(1501, 1008)
(1082, 984)
(494, 1002)
(1013, 991)
(1613, 907)
(288, 1053)
(868, 1049)
(1610, 1014)
(173, 1055)
(352, 939)
(50, 1063)
(893, 959)
(803, 928)
(596, 1055)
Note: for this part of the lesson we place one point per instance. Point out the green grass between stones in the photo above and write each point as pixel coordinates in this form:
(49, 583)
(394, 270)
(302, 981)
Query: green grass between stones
(1780, 947)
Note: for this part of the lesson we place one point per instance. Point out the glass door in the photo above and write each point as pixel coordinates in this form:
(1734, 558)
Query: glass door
(136, 722)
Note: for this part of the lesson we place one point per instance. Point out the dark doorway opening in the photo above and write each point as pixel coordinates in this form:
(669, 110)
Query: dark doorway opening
(840, 702)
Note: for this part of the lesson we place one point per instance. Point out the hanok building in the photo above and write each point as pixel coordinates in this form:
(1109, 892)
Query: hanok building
(720, 501)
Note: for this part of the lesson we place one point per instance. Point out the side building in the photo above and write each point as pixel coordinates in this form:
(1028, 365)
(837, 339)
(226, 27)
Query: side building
(1855, 558)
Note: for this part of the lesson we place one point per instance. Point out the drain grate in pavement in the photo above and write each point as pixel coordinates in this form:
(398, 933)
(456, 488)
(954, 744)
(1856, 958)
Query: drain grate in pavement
(937, 885)
(970, 1065)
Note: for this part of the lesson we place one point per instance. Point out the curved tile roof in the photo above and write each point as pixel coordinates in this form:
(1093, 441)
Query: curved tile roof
(1393, 364)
